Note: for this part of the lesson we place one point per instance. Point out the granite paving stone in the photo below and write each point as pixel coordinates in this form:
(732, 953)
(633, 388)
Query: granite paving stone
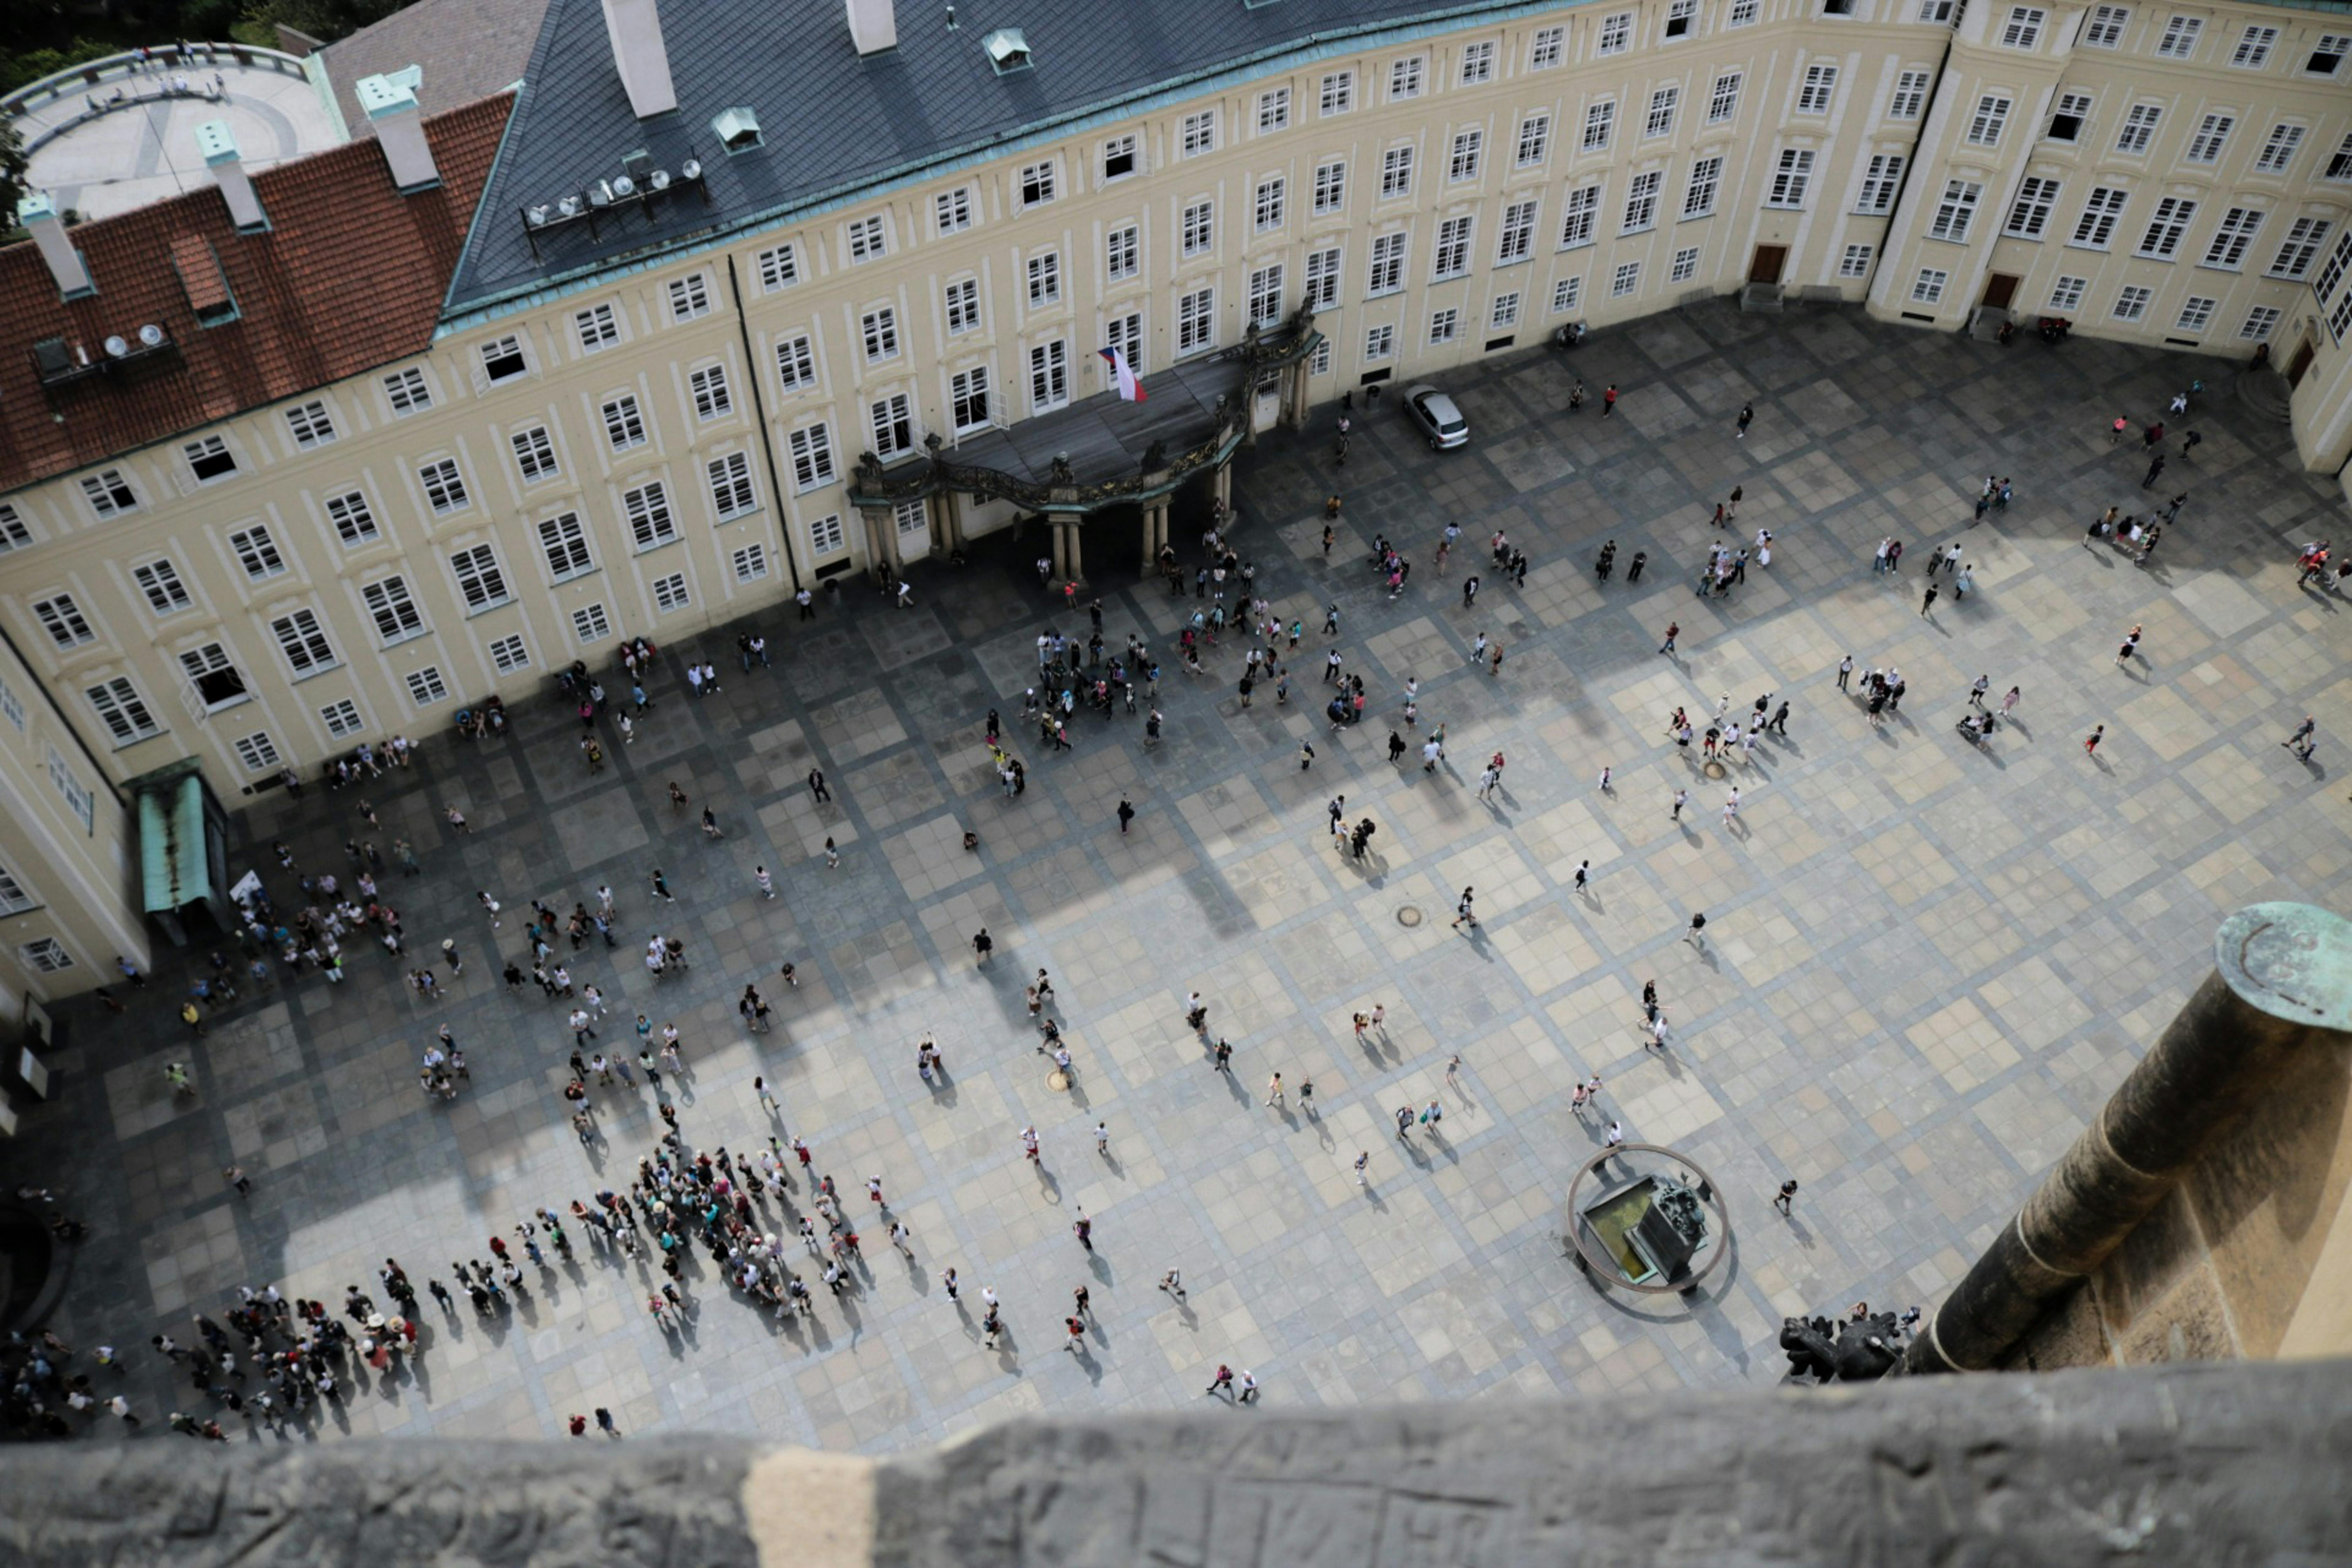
(1927, 962)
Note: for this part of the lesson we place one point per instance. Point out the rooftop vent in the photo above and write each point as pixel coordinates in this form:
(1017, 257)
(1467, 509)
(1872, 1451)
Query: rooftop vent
(390, 104)
(46, 225)
(216, 145)
(873, 25)
(737, 128)
(635, 29)
(1007, 50)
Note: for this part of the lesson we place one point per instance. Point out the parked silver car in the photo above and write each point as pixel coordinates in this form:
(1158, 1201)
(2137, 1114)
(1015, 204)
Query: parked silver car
(1438, 418)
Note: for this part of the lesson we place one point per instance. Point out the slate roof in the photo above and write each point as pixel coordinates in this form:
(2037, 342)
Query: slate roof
(833, 123)
(349, 276)
(467, 49)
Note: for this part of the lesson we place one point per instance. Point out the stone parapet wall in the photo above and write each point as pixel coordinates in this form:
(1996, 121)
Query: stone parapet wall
(2216, 1464)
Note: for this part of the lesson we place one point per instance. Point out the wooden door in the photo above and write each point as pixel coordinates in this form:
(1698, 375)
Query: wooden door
(1766, 268)
(2299, 365)
(1999, 289)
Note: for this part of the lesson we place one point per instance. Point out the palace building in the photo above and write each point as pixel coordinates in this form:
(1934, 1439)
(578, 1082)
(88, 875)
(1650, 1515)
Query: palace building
(728, 299)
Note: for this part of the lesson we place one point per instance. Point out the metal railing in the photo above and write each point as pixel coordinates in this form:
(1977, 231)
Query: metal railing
(135, 66)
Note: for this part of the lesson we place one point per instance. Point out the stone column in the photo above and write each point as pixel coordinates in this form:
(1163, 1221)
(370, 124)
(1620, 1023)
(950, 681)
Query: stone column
(881, 540)
(2281, 984)
(1155, 530)
(1076, 570)
(948, 509)
(1226, 484)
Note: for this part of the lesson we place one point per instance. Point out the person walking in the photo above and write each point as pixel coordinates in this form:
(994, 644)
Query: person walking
(2130, 647)
(1788, 1191)
(1696, 932)
(1746, 417)
(817, 790)
(1673, 630)
(2090, 742)
(1462, 913)
(1609, 400)
(1927, 600)
(1126, 814)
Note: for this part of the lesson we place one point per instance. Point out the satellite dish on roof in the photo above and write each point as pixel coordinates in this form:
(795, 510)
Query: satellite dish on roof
(623, 187)
(151, 335)
(538, 214)
(569, 207)
(659, 179)
(691, 168)
(117, 348)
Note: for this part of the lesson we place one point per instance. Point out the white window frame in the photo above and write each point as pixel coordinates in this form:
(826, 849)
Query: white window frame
(778, 267)
(256, 551)
(564, 545)
(1704, 188)
(311, 425)
(671, 594)
(597, 328)
(534, 453)
(128, 719)
(406, 392)
(652, 522)
(733, 491)
(1330, 187)
(481, 581)
(689, 297)
(394, 610)
(1723, 98)
(2028, 212)
(444, 486)
(1819, 89)
(625, 422)
(708, 388)
(302, 642)
(353, 518)
(1956, 212)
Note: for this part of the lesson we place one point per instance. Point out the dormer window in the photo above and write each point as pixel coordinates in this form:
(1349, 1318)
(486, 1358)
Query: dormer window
(1007, 50)
(737, 129)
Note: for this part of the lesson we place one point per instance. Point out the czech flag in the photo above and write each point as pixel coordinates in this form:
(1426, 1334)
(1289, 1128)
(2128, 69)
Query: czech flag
(1130, 389)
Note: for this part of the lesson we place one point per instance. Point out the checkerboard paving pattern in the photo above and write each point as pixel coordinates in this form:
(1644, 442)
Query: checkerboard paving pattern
(1927, 965)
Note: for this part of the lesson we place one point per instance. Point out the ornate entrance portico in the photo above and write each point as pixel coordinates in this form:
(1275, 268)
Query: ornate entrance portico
(1074, 462)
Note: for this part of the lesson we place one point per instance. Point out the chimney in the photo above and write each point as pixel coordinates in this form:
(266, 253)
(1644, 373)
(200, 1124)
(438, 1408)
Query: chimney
(39, 215)
(390, 104)
(217, 144)
(873, 25)
(639, 55)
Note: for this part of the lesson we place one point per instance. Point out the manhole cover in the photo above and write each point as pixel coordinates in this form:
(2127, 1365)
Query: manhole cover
(1713, 769)
(1057, 1080)
(1408, 916)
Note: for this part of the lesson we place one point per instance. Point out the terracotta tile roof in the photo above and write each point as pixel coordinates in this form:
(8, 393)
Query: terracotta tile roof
(350, 275)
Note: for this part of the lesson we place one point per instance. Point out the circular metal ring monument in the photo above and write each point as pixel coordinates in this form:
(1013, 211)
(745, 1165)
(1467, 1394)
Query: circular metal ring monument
(1658, 1231)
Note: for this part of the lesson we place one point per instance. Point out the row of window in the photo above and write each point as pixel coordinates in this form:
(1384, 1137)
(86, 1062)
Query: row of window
(218, 684)
(2160, 239)
(2179, 37)
(80, 803)
(2132, 304)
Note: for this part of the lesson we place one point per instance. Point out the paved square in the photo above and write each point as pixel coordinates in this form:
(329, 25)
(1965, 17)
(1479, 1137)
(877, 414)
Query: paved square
(1928, 964)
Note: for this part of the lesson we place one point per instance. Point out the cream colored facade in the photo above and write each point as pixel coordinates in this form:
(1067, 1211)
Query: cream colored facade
(68, 868)
(1444, 195)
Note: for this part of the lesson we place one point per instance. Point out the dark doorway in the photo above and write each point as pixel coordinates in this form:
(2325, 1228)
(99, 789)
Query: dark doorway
(1769, 260)
(2301, 363)
(1999, 289)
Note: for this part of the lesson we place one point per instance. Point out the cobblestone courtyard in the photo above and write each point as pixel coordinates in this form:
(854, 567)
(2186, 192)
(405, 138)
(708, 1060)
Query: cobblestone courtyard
(1929, 963)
